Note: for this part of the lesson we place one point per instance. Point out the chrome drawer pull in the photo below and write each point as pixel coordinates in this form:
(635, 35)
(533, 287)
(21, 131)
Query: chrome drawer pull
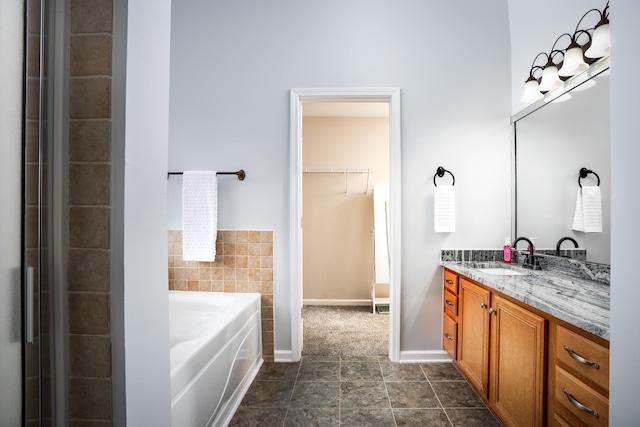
(448, 302)
(447, 336)
(579, 405)
(483, 305)
(449, 281)
(493, 311)
(580, 359)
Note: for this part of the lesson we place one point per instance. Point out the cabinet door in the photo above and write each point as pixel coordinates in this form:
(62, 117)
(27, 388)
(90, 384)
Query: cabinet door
(517, 364)
(473, 335)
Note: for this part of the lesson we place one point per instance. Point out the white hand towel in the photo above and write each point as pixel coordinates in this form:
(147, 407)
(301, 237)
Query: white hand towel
(592, 209)
(588, 214)
(444, 204)
(578, 215)
(199, 215)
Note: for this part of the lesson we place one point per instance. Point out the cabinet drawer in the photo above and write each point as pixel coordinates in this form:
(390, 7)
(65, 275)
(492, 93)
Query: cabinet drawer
(451, 281)
(580, 355)
(450, 304)
(450, 335)
(582, 401)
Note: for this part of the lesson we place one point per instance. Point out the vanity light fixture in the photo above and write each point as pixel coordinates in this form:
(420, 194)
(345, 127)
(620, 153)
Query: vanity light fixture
(576, 57)
(601, 38)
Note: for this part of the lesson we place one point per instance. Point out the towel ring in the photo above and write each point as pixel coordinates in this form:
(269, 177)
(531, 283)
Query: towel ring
(440, 173)
(583, 174)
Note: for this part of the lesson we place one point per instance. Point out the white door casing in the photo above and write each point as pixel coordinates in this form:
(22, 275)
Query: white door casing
(297, 97)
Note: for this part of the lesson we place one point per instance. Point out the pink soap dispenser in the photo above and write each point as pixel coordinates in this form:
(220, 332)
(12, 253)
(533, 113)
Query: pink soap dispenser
(506, 251)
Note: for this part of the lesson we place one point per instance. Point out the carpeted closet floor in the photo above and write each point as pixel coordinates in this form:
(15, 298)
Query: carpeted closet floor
(344, 331)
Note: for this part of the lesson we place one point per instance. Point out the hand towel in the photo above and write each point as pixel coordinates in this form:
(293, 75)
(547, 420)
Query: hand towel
(199, 215)
(588, 213)
(578, 215)
(445, 209)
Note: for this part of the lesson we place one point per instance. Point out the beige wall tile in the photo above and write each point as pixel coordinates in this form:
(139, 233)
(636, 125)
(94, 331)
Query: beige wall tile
(88, 270)
(91, 16)
(89, 97)
(89, 184)
(90, 356)
(89, 313)
(254, 236)
(89, 227)
(89, 140)
(90, 398)
(90, 55)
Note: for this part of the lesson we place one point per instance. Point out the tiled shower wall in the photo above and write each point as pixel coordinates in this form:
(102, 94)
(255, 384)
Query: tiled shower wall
(244, 263)
(89, 145)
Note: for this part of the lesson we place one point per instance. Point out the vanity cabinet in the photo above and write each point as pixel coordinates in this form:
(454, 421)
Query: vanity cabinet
(579, 379)
(501, 352)
(450, 316)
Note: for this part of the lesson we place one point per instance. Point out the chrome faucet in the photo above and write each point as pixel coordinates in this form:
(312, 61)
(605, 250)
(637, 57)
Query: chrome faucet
(530, 261)
(562, 240)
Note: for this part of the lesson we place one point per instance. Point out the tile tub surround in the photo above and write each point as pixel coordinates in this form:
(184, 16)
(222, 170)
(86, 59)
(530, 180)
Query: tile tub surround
(244, 263)
(334, 390)
(579, 302)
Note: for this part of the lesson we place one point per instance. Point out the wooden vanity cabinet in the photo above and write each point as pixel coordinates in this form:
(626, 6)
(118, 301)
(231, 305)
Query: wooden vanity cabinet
(501, 353)
(450, 316)
(578, 378)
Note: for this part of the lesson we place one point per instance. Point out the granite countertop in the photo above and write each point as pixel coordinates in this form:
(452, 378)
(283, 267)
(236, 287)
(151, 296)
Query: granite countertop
(580, 302)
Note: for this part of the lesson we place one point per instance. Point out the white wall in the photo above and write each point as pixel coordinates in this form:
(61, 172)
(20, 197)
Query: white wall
(11, 45)
(233, 64)
(146, 310)
(535, 26)
(625, 205)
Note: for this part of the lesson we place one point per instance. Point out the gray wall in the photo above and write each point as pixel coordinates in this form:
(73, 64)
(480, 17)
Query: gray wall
(11, 44)
(233, 64)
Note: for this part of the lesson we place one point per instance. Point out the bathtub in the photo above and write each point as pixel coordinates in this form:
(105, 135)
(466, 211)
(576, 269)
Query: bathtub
(216, 351)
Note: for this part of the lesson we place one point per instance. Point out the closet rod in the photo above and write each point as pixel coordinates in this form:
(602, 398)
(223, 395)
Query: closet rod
(241, 174)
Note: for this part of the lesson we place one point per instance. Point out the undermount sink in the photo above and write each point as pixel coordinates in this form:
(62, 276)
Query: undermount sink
(501, 272)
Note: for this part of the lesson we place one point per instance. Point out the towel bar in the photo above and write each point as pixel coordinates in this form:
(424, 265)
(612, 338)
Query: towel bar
(440, 173)
(583, 174)
(240, 174)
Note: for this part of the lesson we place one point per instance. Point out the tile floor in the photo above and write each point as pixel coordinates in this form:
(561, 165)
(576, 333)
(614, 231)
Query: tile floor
(360, 391)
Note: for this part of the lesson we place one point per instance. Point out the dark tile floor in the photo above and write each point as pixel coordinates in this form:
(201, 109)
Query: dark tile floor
(360, 391)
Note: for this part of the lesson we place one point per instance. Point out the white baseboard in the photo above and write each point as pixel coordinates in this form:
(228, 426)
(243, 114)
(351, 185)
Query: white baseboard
(283, 356)
(336, 302)
(429, 356)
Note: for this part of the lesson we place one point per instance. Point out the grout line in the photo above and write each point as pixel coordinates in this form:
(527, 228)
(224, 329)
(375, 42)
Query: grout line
(436, 395)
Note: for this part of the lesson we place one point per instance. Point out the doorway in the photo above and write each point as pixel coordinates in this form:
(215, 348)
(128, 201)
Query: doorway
(345, 157)
(384, 95)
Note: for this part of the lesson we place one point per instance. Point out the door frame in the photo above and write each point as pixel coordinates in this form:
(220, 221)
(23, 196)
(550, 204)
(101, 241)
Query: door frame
(297, 97)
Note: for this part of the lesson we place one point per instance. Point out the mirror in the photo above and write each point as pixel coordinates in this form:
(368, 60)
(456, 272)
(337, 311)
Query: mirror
(553, 139)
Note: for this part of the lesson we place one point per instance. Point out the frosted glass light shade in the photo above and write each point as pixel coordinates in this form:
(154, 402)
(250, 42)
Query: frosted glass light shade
(600, 42)
(550, 79)
(531, 91)
(573, 62)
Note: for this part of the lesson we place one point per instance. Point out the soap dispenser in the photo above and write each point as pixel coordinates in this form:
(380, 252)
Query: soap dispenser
(506, 251)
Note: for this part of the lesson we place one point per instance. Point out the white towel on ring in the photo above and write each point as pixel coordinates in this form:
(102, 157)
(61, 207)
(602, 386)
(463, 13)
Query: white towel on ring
(588, 214)
(199, 215)
(444, 204)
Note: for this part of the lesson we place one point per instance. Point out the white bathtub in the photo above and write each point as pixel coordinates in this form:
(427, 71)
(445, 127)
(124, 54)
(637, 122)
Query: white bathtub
(216, 351)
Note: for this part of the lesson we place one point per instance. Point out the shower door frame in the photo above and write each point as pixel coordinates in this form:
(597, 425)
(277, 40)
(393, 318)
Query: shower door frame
(392, 97)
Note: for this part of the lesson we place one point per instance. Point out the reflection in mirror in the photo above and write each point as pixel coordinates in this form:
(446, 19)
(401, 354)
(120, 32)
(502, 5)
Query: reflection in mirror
(552, 144)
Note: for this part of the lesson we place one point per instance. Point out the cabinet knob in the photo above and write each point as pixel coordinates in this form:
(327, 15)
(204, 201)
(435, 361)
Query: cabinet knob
(493, 311)
(483, 305)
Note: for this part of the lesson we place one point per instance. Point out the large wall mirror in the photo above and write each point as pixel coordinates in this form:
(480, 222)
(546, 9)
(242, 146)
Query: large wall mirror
(553, 140)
